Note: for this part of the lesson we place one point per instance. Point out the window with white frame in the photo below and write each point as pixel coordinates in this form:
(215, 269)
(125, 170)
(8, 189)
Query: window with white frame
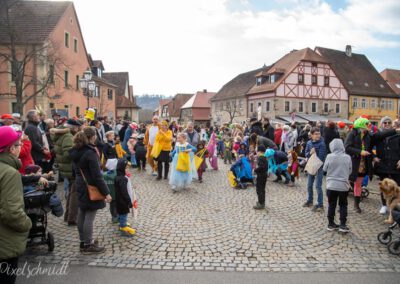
(373, 103)
(301, 107)
(287, 106)
(251, 107)
(314, 107)
(364, 103)
(389, 105)
(355, 103)
(337, 108)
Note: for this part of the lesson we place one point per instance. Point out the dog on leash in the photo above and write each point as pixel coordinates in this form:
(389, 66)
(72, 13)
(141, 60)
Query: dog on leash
(391, 193)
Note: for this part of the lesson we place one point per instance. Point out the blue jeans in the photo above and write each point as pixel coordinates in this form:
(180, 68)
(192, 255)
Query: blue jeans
(123, 220)
(66, 187)
(133, 160)
(310, 184)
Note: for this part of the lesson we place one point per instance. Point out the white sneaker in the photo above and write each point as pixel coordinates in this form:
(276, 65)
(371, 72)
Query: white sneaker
(383, 210)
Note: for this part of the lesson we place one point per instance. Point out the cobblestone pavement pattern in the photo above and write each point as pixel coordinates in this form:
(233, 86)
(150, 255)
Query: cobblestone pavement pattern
(213, 227)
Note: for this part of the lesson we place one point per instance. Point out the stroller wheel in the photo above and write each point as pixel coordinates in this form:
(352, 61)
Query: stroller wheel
(50, 241)
(385, 237)
(394, 247)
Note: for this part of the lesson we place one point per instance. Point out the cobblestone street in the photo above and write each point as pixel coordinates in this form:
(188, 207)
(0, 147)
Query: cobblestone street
(213, 227)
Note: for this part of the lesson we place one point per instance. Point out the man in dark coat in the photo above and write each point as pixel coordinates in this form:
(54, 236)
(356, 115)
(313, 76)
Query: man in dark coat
(256, 127)
(387, 143)
(269, 131)
(38, 151)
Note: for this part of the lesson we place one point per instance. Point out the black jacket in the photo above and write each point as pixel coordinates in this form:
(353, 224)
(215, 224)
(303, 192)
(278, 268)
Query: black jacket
(257, 128)
(268, 143)
(329, 135)
(87, 160)
(109, 151)
(262, 166)
(36, 138)
(353, 145)
(387, 144)
(123, 200)
(269, 132)
(140, 150)
(121, 132)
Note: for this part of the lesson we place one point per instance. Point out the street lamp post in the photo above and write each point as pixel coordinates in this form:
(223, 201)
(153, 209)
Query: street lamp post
(87, 84)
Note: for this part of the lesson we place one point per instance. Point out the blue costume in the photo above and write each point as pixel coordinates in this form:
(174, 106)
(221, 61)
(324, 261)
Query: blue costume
(178, 178)
(242, 170)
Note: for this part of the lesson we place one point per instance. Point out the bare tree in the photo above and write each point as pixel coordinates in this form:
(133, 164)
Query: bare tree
(232, 107)
(33, 65)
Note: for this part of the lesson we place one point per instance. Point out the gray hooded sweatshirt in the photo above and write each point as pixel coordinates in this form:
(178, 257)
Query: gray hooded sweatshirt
(338, 167)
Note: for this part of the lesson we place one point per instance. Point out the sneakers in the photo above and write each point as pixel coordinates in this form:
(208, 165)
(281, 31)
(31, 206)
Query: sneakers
(259, 206)
(307, 204)
(332, 227)
(128, 231)
(383, 210)
(344, 229)
(93, 249)
(154, 174)
(317, 208)
(114, 220)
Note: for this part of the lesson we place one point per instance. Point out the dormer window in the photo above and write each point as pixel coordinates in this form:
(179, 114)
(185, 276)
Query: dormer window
(273, 78)
(259, 81)
(99, 72)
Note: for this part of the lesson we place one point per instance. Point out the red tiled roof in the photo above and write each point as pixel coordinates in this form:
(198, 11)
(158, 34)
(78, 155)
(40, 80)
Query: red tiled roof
(32, 21)
(199, 100)
(392, 77)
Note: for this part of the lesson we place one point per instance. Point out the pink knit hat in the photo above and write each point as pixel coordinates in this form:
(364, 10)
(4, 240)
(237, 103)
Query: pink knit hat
(8, 136)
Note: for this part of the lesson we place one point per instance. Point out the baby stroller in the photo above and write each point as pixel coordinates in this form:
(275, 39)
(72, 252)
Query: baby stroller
(37, 204)
(240, 174)
(385, 237)
(364, 189)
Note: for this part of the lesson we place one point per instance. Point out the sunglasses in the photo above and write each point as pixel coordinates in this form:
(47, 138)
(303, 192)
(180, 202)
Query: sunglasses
(387, 122)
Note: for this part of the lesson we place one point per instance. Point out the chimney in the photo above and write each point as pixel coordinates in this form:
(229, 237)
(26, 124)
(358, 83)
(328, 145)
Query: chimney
(348, 50)
(204, 90)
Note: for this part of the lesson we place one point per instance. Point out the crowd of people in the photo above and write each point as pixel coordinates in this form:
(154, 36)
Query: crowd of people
(96, 157)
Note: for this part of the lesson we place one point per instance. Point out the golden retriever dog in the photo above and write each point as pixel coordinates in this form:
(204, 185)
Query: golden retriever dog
(391, 192)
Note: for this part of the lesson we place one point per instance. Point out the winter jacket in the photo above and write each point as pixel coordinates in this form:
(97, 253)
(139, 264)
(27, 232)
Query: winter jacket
(337, 167)
(123, 200)
(63, 142)
(14, 223)
(140, 150)
(109, 178)
(320, 149)
(280, 157)
(36, 138)
(262, 166)
(109, 150)
(25, 155)
(257, 128)
(290, 141)
(87, 160)
(387, 144)
(278, 136)
(329, 135)
(164, 139)
(353, 146)
(192, 138)
(243, 149)
(269, 132)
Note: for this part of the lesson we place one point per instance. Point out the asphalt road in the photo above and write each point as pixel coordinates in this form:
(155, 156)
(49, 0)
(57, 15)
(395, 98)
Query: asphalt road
(84, 274)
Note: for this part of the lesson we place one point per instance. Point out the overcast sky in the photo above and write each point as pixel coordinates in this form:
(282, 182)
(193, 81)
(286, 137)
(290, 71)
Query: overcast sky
(175, 46)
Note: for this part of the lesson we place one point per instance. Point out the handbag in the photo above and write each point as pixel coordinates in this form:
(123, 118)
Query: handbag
(93, 191)
(155, 150)
(198, 159)
(313, 165)
(183, 163)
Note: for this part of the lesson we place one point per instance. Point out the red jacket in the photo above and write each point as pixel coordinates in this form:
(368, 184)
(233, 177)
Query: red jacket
(278, 136)
(25, 155)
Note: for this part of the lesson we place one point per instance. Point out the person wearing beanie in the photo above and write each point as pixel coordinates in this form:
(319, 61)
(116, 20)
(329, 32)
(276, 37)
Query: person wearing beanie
(358, 145)
(262, 173)
(14, 223)
(386, 141)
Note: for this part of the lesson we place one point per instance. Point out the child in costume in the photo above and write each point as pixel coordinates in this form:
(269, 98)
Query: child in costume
(228, 148)
(293, 167)
(140, 153)
(278, 164)
(183, 167)
(123, 196)
(131, 147)
(242, 151)
(262, 174)
(203, 154)
(212, 151)
(109, 147)
(118, 148)
(109, 178)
